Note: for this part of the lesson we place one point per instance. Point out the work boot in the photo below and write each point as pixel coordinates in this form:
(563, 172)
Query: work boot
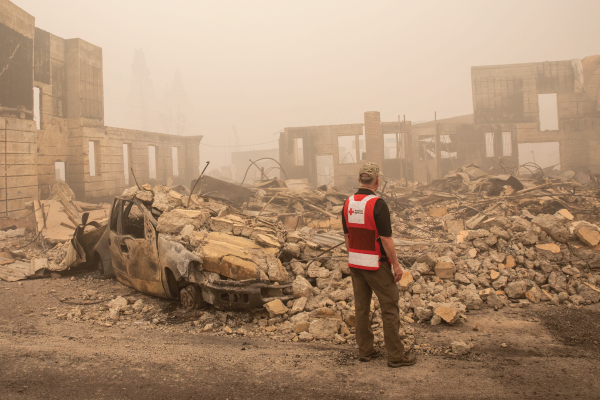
(374, 354)
(405, 361)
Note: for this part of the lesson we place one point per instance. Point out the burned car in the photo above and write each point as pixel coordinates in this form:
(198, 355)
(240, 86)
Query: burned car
(137, 255)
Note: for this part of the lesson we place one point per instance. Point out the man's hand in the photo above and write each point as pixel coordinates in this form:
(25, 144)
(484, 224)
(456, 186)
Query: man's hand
(397, 272)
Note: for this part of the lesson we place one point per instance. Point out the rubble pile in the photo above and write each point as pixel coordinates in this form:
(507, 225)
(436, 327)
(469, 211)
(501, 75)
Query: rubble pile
(495, 241)
(494, 259)
(237, 246)
(467, 242)
(461, 200)
(514, 260)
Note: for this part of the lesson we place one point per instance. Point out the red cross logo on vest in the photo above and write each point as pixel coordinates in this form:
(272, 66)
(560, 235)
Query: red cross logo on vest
(364, 249)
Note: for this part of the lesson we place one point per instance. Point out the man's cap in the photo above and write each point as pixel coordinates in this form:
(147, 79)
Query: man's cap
(371, 169)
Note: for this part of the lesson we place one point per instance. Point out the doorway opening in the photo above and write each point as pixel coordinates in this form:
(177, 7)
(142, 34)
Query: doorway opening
(325, 170)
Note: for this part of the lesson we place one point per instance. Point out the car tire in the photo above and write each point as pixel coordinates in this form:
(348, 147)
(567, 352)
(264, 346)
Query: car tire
(191, 297)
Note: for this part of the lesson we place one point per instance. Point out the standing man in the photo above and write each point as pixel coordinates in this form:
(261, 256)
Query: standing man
(371, 252)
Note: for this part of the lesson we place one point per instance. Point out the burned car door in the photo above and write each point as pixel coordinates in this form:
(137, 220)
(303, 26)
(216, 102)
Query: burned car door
(138, 246)
(114, 242)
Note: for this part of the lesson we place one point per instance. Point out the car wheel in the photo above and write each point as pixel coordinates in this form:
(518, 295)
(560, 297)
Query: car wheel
(191, 297)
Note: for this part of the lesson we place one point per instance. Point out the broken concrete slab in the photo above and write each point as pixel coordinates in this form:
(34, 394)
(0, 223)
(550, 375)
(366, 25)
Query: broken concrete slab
(221, 225)
(552, 226)
(324, 328)
(12, 270)
(267, 241)
(445, 268)
(473, 222)
(449, 314)
(173, 221)
(275, 307)
(231, 261)
(588, 234)
(301, 287)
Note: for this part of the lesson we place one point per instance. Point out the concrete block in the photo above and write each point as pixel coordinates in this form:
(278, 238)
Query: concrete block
(19, 193)
(21, 213)
(18, 124)
(448, 314)
(20, 159)
(16, 205)
(445, 268)
(276, 307)
(20, 136)
(588, 235)
(20, 181)
(20, 170)
(20, 148)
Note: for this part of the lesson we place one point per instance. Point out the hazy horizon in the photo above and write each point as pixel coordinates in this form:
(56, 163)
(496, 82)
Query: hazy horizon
(262, 66)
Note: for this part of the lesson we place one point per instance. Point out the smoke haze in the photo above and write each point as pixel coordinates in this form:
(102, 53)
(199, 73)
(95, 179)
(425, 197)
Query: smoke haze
(265, 65)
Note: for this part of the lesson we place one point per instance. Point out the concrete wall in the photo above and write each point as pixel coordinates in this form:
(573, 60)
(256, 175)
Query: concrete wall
(319, 141)
(110, 175)
(505, 98)
(468, 149)
(324, 141)
(53, 136)
(240, 163)
(69, 76)
(18, 178)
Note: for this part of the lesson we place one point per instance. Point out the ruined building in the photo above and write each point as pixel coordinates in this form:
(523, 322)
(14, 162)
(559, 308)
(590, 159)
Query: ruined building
(544, 106)
(61, 82)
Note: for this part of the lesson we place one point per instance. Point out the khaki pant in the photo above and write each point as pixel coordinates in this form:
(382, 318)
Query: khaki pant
(382, 283)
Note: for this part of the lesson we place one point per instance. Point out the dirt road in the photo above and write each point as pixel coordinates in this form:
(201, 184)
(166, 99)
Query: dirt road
(550, 353)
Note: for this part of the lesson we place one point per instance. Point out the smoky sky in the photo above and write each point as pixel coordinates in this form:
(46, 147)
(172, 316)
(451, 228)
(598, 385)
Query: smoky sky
(266, 65)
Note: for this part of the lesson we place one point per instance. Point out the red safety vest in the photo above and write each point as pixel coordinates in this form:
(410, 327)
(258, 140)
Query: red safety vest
(365, 250)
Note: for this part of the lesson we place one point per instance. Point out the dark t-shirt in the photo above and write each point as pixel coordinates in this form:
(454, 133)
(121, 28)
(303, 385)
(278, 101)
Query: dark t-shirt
(381, 213)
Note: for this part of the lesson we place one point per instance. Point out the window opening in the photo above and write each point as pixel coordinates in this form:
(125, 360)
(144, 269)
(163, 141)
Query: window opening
(133, 221)
(347, 151)
(507, 143)
(94, 157)
(59, 168)
(362, 145)
(37, 106)
(390, 146)
(126, 161)
(175, 156)
(152, 161)
(489, 144)
(426, 147)
(548, 112)
(324, 170)
(447, 147)
(298, 151)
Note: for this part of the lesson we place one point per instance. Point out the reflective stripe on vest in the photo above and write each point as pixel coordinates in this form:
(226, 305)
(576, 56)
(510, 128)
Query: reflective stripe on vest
(364, 260)
(364, 251)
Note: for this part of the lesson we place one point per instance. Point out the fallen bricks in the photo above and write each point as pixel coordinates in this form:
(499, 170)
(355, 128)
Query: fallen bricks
(508, 261)
(514, 255)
